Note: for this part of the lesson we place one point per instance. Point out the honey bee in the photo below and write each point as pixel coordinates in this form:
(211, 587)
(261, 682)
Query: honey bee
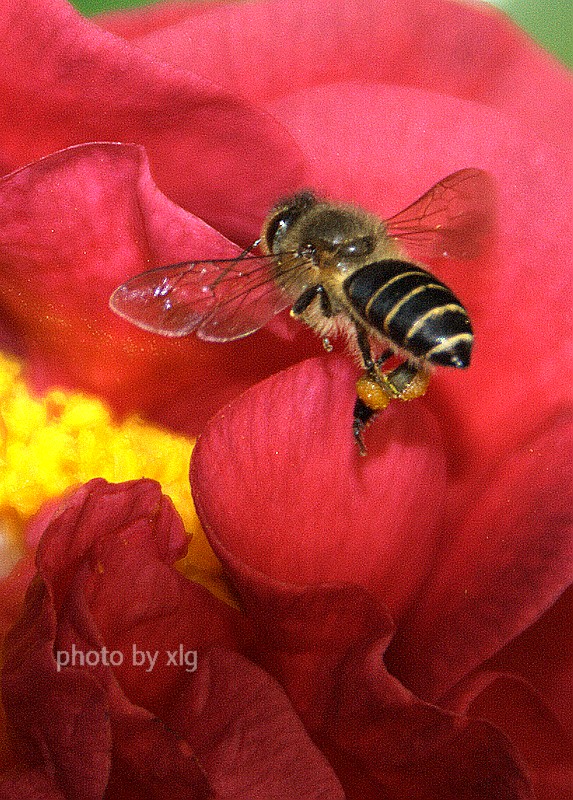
(343, 271)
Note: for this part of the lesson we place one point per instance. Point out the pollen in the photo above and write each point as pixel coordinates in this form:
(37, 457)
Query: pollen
(372, 393)
(51, 443)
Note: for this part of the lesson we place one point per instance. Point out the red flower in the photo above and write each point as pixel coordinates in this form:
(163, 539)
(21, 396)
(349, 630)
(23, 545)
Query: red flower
(410, 605)
(382, 100)
(295, 508)
(124, 678)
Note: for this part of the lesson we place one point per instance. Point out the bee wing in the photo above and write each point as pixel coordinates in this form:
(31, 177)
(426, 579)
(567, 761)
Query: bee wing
(453, 219)
(220, 300)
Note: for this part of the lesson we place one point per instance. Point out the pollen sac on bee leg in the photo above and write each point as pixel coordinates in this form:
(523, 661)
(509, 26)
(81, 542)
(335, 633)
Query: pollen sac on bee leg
(373, 392)
(407, 382)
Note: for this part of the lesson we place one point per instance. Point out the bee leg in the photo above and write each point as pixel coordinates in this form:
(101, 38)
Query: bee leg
(363, 416)
(302, 303)
(364, 346)
(407, 382)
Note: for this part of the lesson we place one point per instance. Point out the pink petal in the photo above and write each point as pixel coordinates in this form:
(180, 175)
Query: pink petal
(470, 52)
(281, 490)
(208, 150)
(508, 563)
(72, 227)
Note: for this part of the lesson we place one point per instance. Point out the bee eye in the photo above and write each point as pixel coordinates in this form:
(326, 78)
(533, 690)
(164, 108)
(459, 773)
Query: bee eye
(286, 214)
(357, 248)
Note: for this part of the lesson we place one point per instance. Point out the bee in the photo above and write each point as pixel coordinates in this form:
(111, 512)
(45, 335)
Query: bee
(341, 270)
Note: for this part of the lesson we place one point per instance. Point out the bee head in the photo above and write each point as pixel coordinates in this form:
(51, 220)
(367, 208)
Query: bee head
(282, 217)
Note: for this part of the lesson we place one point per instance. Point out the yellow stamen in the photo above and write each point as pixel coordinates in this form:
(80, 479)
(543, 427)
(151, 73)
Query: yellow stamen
(51, 443)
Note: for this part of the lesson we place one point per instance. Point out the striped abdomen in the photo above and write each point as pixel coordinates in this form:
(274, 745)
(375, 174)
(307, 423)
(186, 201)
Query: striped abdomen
(412, 309)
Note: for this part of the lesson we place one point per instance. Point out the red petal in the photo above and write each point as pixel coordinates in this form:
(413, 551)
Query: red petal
(109, 547)
(543, 654)
(295, 501)
(208, 150)
(28, 785)
(509, 562)
(61, 718)
(247, 736)
(327, 645)
(72, 227)
(512, 706)
(473, 53)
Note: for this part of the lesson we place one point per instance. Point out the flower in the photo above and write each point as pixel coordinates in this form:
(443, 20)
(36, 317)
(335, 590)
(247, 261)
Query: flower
(151, 698)
(405, 101)
(457, 590)
(403, 613)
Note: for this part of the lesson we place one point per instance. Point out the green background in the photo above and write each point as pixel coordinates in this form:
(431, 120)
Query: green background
(550, 23)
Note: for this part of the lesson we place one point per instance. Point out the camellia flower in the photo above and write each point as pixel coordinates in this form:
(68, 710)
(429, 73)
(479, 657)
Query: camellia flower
(401, 626)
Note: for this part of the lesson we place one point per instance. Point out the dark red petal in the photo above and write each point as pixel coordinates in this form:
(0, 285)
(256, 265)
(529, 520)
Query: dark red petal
(280, 487)
(209, 151)
(326, 646)
(60, 718)
(12, 590)
(507, 563)
(121, 540)
(28, 785)
(105, 580)
(150, 759)
(543, 654)
(247, 736)
(516, 709)
(74, 226)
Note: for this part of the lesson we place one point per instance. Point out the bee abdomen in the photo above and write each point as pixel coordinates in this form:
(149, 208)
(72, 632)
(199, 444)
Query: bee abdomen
(413, 309)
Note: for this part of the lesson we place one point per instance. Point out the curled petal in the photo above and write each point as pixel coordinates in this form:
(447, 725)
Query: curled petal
(76, 708)
(295, 501)
(209, 151)
(72, 227)
(326, 645)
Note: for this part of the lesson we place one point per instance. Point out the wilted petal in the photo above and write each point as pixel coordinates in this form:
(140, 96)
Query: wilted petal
(280, 488)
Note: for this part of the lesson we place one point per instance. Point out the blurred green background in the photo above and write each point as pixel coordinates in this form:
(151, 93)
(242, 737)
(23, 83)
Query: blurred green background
(550, 23)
